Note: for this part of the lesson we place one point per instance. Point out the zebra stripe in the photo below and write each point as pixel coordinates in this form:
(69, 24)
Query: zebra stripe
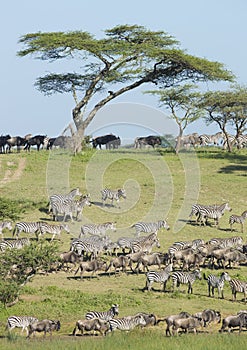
(217, 282)
(5, 225)
(145, 244)
(126, 323)
(238, 286)
(150, 227)
(20, 322)
(112, 195)
(103, 315)
(238, 219)
(63, 197)
(97, 229)
(206, 140)
(180, 277)
(69, 207)
(55, 230)
(213, 213)
(27, 227)
(158, 277)
(14, 244)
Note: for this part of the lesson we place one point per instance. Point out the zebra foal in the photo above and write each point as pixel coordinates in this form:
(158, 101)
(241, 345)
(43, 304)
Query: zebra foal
(238, 219)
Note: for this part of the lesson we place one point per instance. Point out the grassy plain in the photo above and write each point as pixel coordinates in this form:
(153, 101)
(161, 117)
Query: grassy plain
(159, 185)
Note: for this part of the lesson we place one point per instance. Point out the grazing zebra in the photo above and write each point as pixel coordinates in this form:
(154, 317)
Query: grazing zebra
(104, 315)
(238, 219)
(5, 225)
(63, 197)
(213, 213)
(55, 230)
(158, 277)
(150, 227)
(68, 207)
(180, 277)
(20, 322)
(97, 229)
(14, 244)
(238, 286)
(27, 227)
(113, 195)
(126, 323)
(216, 282)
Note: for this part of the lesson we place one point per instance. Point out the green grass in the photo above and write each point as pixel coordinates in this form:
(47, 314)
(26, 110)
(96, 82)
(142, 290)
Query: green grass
(158, 185)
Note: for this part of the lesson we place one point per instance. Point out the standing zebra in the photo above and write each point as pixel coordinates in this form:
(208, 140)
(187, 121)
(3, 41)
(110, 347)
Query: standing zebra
(5, 225)
(238, 219)
(97, 229)
(150, 227)
(112, 195)
(68, 207)
(126, 323)
(210, 139)
(214, 213)
(180, 277)
(216, 282)
(27, 227)
(145, 244)
(55, 230)
(63, 197)
(238, 286)
(158, 277)
(20, 322)
(103, 315)
(14, 244)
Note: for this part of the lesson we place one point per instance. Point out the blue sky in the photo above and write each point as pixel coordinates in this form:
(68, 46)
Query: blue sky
(215, 30)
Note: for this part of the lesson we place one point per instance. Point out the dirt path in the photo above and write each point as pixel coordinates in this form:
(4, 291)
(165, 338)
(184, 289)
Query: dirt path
(10, 176)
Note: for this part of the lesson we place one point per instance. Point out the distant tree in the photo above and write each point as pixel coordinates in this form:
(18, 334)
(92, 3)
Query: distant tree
(227, 108)
(182, 102)
(126, 58)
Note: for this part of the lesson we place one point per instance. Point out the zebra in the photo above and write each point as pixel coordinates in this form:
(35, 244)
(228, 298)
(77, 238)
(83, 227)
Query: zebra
(210, 139)
(158, 277)
(20, 322)
(27, 227)
(213, 213)
(238, 219)
(55, 230)
(180, 277)
(92, 247)
(14, 244)
(112, 195)
(97, 229)
(238, 286)
(63, 197)
(104, 315)
(125, 243)
(216, 282)
(68, 207)
(145, 244)
(126, 323)
(5, 225)
(150, 227)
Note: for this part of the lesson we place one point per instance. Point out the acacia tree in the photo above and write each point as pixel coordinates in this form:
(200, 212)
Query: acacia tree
(127, 57)
(183, 104)
(227, 108)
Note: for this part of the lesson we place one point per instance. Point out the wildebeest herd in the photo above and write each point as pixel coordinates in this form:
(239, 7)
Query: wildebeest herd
(95, 252)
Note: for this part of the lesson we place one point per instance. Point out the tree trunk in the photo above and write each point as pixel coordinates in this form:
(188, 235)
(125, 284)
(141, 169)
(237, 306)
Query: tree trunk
(178, 143)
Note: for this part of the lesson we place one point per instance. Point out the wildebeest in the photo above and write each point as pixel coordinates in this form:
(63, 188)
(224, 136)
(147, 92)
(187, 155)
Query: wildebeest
(234, 321)
(170, 319)
(186, 324)
(150, 319)
(147, 141)
(208, 316)
(17, 141)
(36, 140)
(3, 142)
(60, 141)
(69, 257)
(119, 262)
(91, 266)
(104, 140)
(91, 325)
(44, 326)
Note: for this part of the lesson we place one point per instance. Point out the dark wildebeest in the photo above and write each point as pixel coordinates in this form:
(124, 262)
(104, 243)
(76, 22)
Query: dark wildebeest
(91, 325)
(37, 140)
(148, 140)
(170, 320)
(60, 141)
(3, 142)
(186, 324)
(234, 321)
(69, 257)
(91, 266)
(16, 141)
(103, 140)
(209, 316)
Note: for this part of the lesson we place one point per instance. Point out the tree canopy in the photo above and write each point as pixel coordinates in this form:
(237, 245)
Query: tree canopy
(127, 57)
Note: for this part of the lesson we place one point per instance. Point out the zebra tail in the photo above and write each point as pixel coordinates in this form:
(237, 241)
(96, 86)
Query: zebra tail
(14, 232)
